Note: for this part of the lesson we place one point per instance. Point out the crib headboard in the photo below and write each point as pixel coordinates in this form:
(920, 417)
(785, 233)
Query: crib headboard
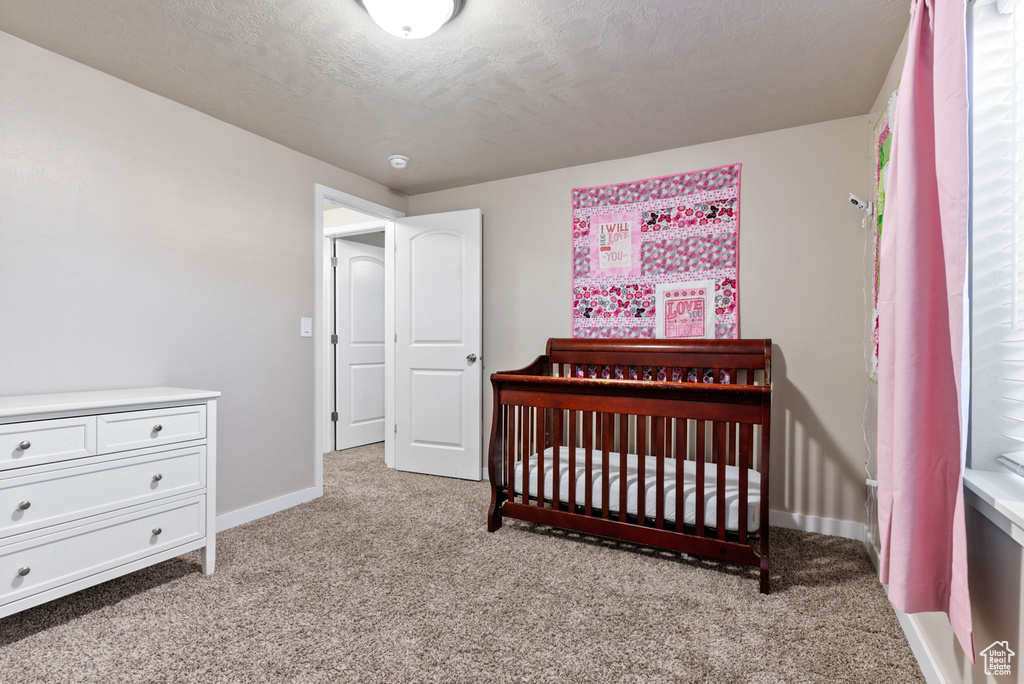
(730, 356)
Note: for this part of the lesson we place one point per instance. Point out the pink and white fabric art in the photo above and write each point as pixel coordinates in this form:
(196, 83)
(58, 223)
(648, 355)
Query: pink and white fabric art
(921, 440)
(631, 237)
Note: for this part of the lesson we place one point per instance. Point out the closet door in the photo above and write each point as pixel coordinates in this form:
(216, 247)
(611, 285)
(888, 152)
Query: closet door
(439, 335)
(359, 352)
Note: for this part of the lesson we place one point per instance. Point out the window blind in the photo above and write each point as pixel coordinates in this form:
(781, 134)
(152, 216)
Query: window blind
(997, 257)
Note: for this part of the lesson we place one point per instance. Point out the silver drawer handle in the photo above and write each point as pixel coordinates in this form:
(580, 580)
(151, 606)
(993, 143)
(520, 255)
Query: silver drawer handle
(158, 427)
(157, 477)
(24, 446)
(24, 571)
(24, 505)
(157, 531)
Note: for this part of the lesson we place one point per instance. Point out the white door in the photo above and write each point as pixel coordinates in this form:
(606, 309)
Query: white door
(439, 331)
(359, 352)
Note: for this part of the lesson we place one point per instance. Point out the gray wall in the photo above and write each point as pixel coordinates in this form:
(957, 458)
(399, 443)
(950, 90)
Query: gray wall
(144, 243)
(801, 283)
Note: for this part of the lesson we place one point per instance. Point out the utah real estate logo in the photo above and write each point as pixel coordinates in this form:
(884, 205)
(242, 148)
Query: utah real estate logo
(997, 658)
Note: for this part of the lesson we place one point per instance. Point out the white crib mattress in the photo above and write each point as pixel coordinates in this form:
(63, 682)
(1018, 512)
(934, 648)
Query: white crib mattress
(732, 487)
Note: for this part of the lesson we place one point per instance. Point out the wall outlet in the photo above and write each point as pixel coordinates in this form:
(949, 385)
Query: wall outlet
(305, 327)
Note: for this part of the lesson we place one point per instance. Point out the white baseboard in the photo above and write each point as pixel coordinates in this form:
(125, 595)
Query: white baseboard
(810, 523)
(265, 508)
(925, 658)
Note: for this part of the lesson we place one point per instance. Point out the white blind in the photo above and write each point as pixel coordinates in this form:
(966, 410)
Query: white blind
(998, 235)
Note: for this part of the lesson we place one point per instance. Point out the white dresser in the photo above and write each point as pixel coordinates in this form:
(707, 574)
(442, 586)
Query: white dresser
(94, 485)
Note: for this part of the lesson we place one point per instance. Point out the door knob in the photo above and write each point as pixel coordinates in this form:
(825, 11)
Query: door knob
(471, 359)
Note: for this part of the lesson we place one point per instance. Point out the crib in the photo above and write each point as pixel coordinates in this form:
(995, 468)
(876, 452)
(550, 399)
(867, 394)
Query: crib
(656, 442)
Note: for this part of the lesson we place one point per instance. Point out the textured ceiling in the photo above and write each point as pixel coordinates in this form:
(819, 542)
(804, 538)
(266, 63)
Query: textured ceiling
(509, 87)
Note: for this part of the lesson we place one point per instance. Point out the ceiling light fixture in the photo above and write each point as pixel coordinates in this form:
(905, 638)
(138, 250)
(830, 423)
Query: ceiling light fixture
(399, 161)
(411, 18)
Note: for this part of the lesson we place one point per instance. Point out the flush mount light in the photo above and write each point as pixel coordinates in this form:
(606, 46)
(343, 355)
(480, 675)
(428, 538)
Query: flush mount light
(411, 18)
(399, 161)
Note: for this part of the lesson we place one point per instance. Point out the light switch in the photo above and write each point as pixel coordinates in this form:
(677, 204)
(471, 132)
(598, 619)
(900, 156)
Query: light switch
(306, 327)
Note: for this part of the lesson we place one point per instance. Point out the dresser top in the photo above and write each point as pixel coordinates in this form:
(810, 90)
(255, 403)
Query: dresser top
(35, 404)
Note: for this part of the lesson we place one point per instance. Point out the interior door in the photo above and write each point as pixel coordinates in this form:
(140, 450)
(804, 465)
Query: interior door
(439, 330)
(359, 351)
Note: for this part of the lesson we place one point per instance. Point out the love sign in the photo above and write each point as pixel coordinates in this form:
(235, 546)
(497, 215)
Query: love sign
(685, 310)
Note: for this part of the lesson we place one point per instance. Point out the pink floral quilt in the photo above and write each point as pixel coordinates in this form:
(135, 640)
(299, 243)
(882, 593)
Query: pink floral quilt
(629, 238)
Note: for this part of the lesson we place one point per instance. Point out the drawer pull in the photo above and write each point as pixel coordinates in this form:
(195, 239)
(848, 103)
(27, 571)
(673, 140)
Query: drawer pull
(157, 531)
(24, 446)
(24, 571)
(24, 505)
(157, 477)
(158, 427)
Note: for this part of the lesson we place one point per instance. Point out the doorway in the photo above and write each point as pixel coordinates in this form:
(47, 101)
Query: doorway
(358, 339)
(432, 341)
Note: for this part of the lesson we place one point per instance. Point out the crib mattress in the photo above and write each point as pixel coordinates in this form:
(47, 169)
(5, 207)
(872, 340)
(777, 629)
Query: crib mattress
(732, 487)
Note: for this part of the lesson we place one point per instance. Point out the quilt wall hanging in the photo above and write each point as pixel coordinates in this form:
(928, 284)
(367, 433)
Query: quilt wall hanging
(882, 146)
(658, 257)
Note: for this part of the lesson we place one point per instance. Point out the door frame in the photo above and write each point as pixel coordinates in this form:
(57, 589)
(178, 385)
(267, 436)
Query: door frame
(323, 305)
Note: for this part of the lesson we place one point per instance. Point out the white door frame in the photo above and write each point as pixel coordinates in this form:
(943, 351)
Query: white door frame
(323, 301)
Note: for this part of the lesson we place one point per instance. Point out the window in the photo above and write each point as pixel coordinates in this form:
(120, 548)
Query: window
(997, 243)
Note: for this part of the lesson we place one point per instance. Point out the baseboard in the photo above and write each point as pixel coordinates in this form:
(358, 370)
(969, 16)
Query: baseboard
(925, 658)
(265, 508)
(810, 523)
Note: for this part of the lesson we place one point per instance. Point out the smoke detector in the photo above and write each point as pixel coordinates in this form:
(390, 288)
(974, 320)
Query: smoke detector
(399, 161)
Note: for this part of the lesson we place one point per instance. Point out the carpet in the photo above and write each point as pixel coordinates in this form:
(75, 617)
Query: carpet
(392, 577)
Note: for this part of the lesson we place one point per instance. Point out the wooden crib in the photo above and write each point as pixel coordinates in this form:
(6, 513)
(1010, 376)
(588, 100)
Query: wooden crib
(678, 417)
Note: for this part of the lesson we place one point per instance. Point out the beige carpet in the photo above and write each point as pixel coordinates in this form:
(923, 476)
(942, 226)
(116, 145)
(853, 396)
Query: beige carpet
(392, 577)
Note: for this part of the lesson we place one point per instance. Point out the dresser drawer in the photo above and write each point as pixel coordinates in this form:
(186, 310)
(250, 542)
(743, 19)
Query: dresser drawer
(30, 502)
(135, 429)
(44, 562)
(45, 441)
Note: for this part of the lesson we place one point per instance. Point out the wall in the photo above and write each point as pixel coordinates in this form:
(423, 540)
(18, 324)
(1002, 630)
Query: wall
(144, 243)
(800, 282)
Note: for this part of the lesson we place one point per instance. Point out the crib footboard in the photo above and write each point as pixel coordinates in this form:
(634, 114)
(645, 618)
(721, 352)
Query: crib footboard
(674, 465)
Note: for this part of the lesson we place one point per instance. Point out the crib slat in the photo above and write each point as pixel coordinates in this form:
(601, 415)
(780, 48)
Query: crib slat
(659, 454)
(680, 472)
(541, 418)
(719, 457)
(699, 517)
(641, 467)
(623, 480)
(524, 450)
(607, 425)
(745, 447)
(556, 460)
(510, 413)
(572, 461)
(727, 444)
(588, 463)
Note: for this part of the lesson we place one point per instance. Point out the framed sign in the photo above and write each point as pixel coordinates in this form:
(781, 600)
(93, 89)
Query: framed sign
(685, 310)
(615, 244)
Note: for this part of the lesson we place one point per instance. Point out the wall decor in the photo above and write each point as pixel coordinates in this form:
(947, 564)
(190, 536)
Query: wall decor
(631, 238)
(684, 310)
(882, 139)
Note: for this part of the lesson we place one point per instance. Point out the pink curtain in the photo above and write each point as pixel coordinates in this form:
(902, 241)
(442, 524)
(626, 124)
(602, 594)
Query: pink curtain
(923, 555)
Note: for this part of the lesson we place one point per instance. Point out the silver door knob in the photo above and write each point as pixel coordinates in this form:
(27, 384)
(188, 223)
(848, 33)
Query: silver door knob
(24, 571)
(471, 359)
(158, 427)
(25, 445)
(157, 531)
(24, 505)
(157, 477)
